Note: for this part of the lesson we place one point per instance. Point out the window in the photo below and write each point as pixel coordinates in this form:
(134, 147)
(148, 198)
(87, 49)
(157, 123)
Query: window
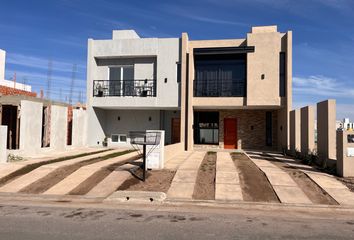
(282, 74)
(220, 75)
(178, 72)
(121, 80)
(206, 128)
(119, 138)
(114, 138)
(269, 124)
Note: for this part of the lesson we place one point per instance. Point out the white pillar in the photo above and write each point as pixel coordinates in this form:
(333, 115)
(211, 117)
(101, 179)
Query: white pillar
(3, 144)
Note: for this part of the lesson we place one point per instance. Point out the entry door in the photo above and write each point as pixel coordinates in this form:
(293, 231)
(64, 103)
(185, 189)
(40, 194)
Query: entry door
(230, 133)
(176, 129)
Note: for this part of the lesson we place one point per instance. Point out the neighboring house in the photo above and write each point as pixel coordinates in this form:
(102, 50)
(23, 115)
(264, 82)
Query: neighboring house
(8, 87)
(345, 124)
(233, 93)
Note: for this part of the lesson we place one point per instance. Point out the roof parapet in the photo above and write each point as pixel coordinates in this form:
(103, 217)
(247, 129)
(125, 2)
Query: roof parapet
(124, 34)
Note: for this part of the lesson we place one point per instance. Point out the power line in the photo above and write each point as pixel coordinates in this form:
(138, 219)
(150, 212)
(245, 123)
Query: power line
(49, 77)
(73, 76)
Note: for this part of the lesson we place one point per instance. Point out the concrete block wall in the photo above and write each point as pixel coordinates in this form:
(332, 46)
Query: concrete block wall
(326, 130)
(295, 131)
(79, 122)
(58, 127)
(345, 154)
(30, 126)
(307, 129)
(3, 143)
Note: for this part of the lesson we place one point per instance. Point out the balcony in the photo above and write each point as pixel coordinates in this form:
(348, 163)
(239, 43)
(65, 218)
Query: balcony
(220, 88)
(124, 88)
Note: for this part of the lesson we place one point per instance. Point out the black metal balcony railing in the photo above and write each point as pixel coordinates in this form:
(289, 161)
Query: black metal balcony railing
(220, 88)
(121, 88)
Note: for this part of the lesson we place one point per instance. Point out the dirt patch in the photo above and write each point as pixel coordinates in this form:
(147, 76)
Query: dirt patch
(31, 167)
(349, 182)
(254, 184)
(204, 188)
(314, 192)
(61, 173)
(156, 181)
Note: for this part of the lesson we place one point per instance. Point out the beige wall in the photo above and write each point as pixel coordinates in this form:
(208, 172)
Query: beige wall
(307, 129)
(326, 130)
(295, 131)
(265, 60)
(345, 163)
(173, 150)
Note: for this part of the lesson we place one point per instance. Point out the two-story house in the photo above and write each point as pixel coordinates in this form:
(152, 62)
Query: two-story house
(232, 93)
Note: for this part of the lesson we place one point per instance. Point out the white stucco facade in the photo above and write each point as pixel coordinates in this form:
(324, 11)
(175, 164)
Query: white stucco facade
(152, 59)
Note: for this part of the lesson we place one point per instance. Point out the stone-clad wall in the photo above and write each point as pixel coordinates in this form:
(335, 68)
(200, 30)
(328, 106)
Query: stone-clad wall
(251, 128)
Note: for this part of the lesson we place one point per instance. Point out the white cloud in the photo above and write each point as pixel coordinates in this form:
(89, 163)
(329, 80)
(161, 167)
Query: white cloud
(41, 63)
(322, 86)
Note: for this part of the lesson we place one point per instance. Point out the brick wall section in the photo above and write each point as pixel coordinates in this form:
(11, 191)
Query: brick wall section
(246, 119)
(13, 91)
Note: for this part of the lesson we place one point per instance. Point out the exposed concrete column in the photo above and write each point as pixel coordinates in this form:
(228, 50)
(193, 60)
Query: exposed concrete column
(295, 131)
(30, 126)
(184, 84)
(326, 130)
(345, 154)
(3, 144)
(58, 127)
(307, 129)
(79, 127)
(190, 102)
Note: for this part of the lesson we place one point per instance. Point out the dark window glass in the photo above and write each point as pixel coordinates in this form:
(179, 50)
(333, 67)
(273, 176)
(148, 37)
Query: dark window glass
(220, 75)
(282, 74)
(178, 72)
(114, 138)
(206, 128)
(269, 128)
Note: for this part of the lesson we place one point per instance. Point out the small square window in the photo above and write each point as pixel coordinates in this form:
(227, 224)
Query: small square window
(114, 137)
(122, 138)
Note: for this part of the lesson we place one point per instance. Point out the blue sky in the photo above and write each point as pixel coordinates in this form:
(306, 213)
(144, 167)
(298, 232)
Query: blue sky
(34, 32)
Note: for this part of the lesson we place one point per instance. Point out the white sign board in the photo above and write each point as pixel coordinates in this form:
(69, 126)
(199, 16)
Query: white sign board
(350, 152)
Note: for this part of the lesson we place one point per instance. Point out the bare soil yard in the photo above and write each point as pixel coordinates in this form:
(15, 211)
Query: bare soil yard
(61, 173)
(254, 184)
(349, 182)
(204, 188)
(315, 193)
(156, 181)
(31, 167)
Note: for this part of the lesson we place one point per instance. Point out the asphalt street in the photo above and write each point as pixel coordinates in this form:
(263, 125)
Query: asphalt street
(28, 222)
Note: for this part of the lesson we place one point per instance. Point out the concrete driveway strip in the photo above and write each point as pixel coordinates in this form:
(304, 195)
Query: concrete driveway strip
(227, 182)
(329, 183)
(79, 176)
(182, 186)
(38, 173)
(111, 183)
(284, 186)
(176, 161)
(9, 168)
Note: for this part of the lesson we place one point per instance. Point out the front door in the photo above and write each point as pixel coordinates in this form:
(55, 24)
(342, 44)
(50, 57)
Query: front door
(176, 130)
(230, 133)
